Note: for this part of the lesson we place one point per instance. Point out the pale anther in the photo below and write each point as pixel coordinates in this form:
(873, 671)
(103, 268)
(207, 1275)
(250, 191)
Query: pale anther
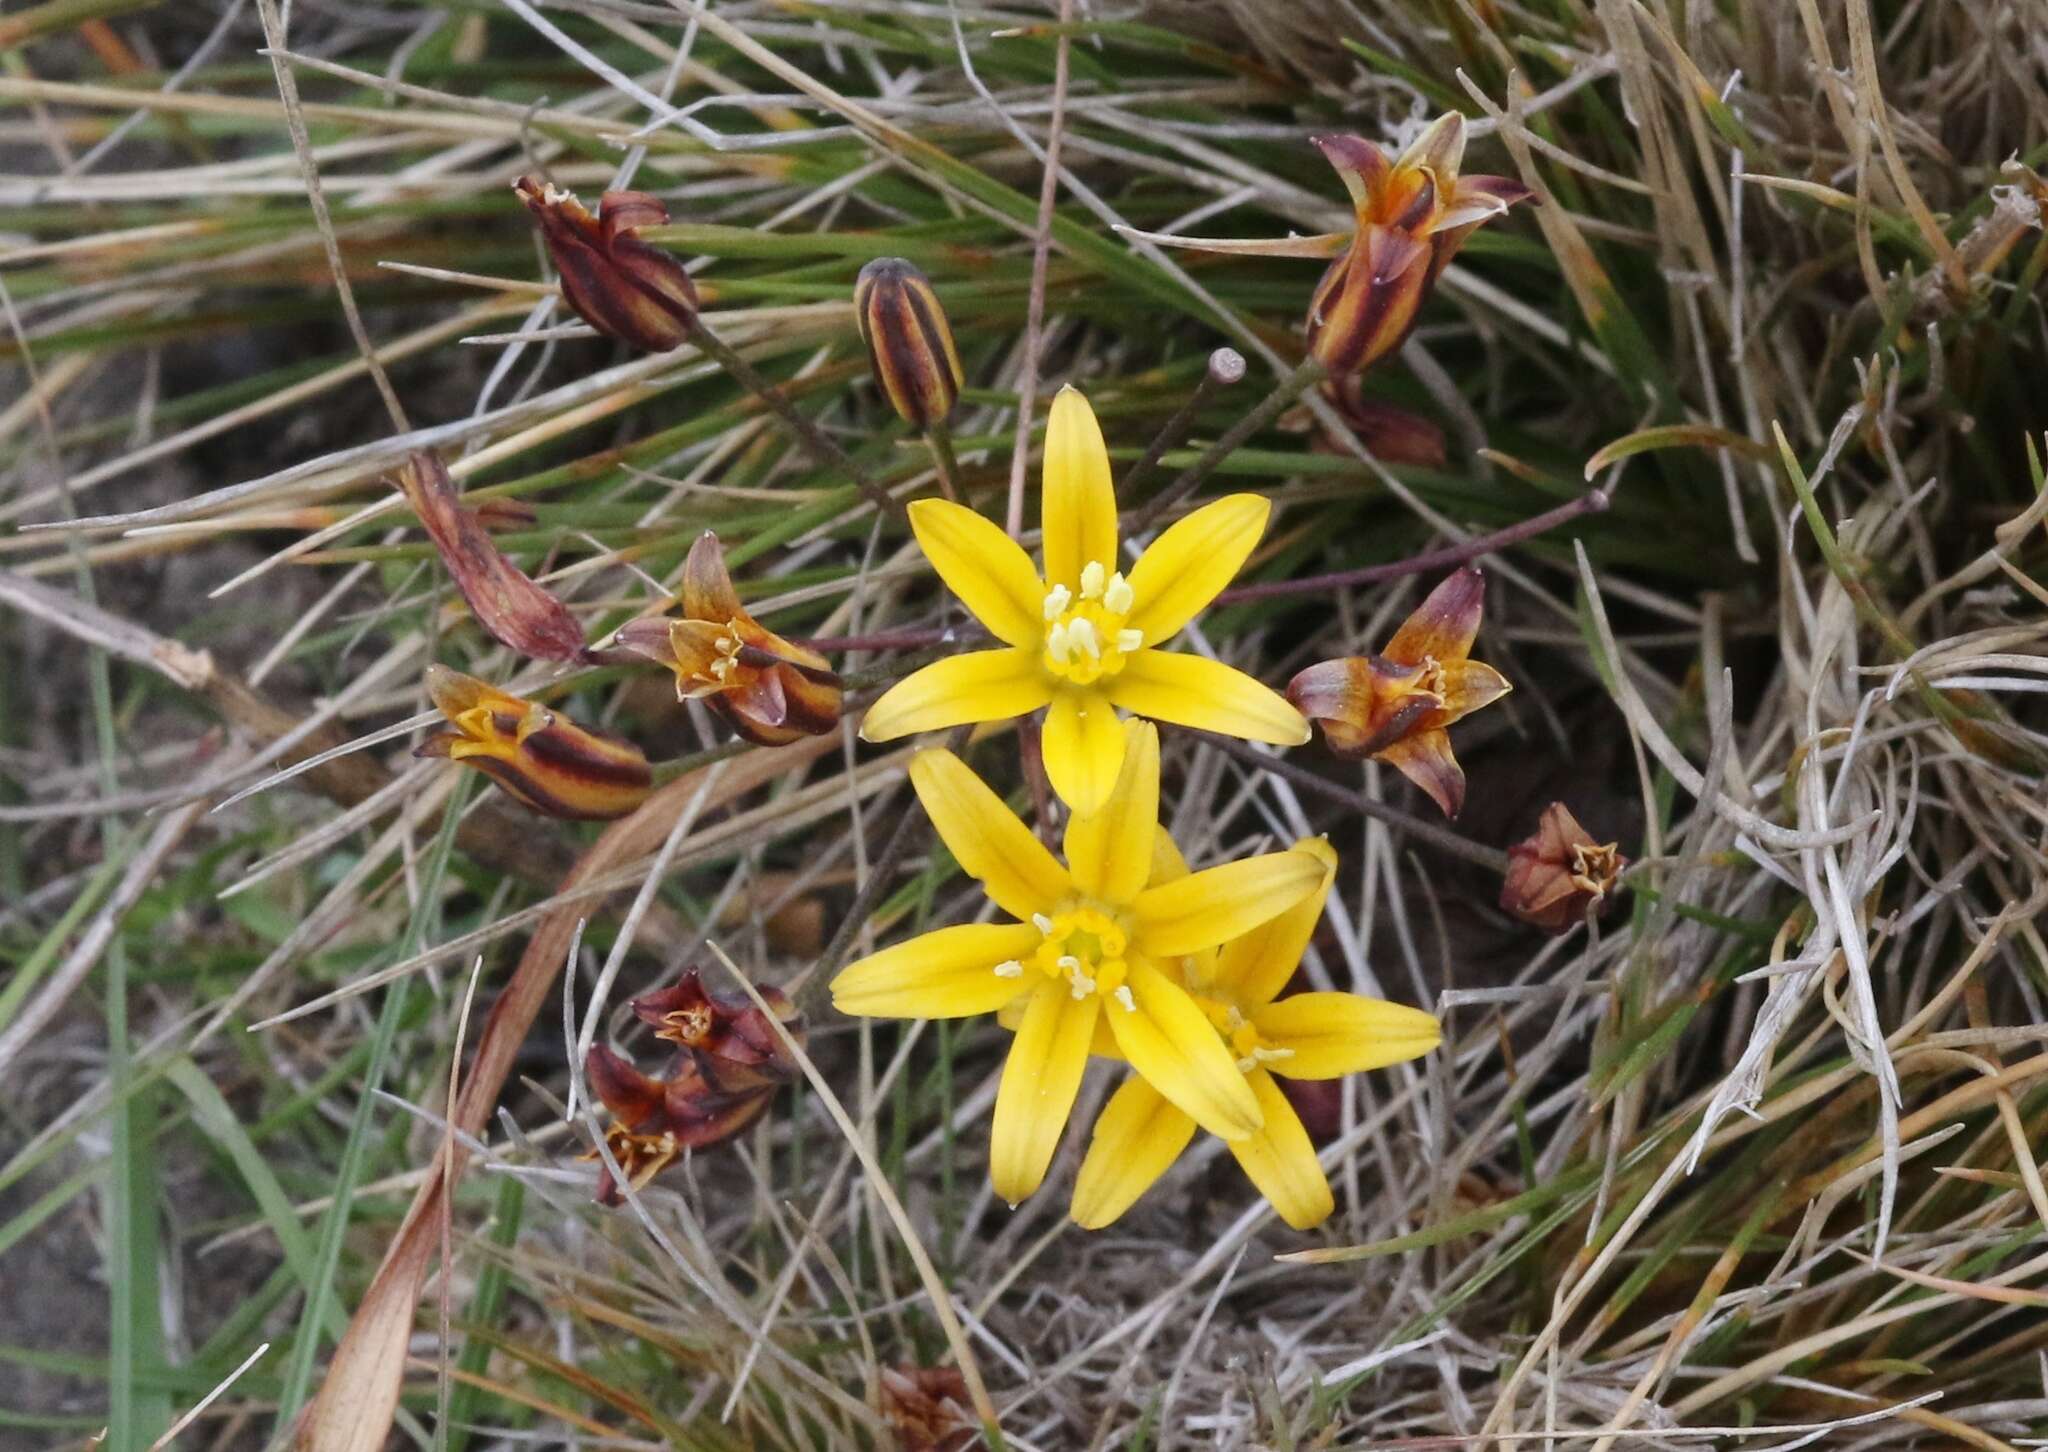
(1058, 646)
(1128, 641)
(1057, 599)
(1083, 985)
(1123, 996)
(1068, 963)
(1011, 969)
(1081, 636)
(1043, 923)
(1116, 596)
(1093, 578)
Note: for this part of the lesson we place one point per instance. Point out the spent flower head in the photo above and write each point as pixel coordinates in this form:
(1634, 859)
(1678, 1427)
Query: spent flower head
(1082, 638)
(1559, 874)
(1395, 706)
(625, 288)
(542, 759)
(1306, 1036)
(767, 689)
(1090, 943)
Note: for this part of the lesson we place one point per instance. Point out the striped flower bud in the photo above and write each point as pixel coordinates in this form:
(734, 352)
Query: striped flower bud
(769, 690)
(621, 286)
(548, 763)
(909, 342)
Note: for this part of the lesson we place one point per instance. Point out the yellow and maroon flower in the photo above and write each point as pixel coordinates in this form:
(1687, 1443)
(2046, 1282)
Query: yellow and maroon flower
(1559, 875)
(1414, 213)
(768, 690)
(1395, 706)
(909, 342)
(621, 286)
(545, 761)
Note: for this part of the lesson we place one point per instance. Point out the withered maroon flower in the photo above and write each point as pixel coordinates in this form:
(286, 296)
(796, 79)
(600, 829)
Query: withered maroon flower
(621, 286)
(1395, 435)
(768, 690)
(511, 608)
(726, 1027)
(732, 1061)
(1558, 875)
(909, 341)
(1395, 706)
(926, 1407)
(548, 763)
(655, 1120)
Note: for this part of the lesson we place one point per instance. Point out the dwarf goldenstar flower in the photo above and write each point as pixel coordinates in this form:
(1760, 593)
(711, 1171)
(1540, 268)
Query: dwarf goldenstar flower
(1082, 639)
(1087, 947)
(1303, 1036)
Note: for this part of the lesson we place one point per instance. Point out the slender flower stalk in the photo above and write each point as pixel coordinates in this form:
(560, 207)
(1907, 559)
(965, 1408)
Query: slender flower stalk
(1082, 638)
(541, 759)
(767, 689)
(1089, 948)
(1301, 1036)
(1395, 706)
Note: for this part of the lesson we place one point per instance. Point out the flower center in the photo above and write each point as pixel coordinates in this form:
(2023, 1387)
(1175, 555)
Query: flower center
(1241, 1034)
(1085, 946)
(687, 1026)
(1085, 636)
(723, 667)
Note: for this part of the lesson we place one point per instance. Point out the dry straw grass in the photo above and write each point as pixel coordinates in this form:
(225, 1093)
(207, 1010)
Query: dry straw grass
(1751, 1163)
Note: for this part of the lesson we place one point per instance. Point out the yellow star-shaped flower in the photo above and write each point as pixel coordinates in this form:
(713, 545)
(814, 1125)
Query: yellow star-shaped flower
(1091, 943)
(1302, 1036)
(1082, 640)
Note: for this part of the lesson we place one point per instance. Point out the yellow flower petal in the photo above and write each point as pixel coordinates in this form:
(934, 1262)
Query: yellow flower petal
(1188, 565)
(1172, 1043)
(1137, 1137)
(1329, 1034)
(1281, 1161)
(1220, 903)
(987, 569)
(1079, 505)
(1084, 748)
(949, 973)
(1101, 1046)
(1255, 966)
(1040, 1079)
(1191, 690)
(1110, 852)
(985, 837)
(981, 685)
(1167, 863)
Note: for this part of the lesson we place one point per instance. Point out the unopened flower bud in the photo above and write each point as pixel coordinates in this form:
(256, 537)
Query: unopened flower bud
(769, 690)
(621, 286)
(546, 761)
(909, 342)
(926, 1407)
(1559, 875)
